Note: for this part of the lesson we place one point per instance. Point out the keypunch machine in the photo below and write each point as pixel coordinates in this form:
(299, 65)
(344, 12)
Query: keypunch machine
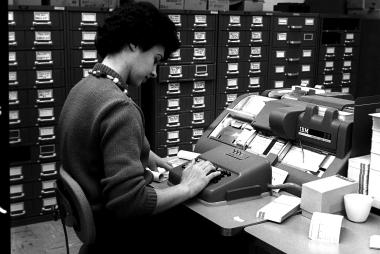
(308, 138)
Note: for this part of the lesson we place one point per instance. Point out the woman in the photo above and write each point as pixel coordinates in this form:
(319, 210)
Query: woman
(101, 130)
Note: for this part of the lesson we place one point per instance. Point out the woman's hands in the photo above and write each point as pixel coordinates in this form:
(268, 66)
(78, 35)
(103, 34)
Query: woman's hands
(156, 161)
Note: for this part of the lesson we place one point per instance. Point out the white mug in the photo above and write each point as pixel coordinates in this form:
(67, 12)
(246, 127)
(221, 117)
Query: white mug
(357, 206)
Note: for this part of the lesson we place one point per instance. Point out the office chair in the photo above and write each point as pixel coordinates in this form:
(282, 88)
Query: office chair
(75, 211)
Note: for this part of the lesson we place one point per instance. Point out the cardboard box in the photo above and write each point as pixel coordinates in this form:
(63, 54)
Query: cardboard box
(218, 5)
(154, 2)
(195, 5)
(326, 194)
(172, 4)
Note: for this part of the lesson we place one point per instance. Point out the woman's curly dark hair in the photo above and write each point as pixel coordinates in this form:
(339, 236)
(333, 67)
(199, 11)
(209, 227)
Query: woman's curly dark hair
(141, 24)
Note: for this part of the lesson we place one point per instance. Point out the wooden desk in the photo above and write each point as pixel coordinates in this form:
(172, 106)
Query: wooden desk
(292, 236)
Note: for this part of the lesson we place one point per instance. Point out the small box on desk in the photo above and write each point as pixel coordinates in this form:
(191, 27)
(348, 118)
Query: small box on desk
(325, 195)
(218, 5)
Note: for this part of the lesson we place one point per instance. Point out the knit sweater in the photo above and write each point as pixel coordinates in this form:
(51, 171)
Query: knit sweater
(104, 148)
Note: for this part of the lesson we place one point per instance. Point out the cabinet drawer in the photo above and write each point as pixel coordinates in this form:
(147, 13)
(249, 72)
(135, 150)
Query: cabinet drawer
(186, 88)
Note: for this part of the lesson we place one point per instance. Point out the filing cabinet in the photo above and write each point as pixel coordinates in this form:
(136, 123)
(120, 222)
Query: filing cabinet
(339, 52)
(180, 103)
(36, 93)
(293, 54)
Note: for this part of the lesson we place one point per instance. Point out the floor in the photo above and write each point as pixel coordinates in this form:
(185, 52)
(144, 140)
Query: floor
(43, 238)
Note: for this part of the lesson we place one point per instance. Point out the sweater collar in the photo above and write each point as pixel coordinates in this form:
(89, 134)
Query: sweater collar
(100, 69)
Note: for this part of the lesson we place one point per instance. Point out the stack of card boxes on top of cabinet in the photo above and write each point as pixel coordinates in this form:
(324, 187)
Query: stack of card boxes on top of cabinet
(180, 103)
(243, 47)
(374, 172)
(36, 95)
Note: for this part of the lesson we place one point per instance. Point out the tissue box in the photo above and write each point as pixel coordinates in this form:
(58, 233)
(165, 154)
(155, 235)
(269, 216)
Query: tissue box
(325, 195)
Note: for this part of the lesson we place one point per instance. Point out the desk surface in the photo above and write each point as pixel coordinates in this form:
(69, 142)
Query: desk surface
(292, 236)
(232, 218)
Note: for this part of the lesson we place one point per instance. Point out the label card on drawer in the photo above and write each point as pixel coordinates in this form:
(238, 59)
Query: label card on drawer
(46, 131)
(176, 55)
(12, 76)
(88, 17)
(279, 69)
(345, 89)
(233, 35)
(15, 171)
(282, 21)
(13, 115)
(173, 119)
(233, 66)
(349, 36)
(233, 51)
(173, 135)
(199, 36)
(255, 66)
(173, 87)
(200, 52)
(13, 95)
(88, 35)
(200, 100)
(86, 72)
(89, 54)
(14, 207)
(234, 20)
(176, 19)
(199, 85)
(309, 21)
(48, 184)
(306, 52)
(257, 20)
(232, 82)
(49, 201)
(199, 69)
(42, 35)
(46, 112)
(348, 50)
(308, 37)
(254, 80)
(45, 74)
(173, 103)
(256, 35)
(279, 84)
(41, 16)
(48, 167)
(328, 77)
(306, 68)
(329, 64)
(231, 97)
(198, 116)
(11, 36)
(11, 16)
(43, 55)
(173, 150)
(175, 70)
(305, 82)
(200, 19)
(346, 76)
(16, 189)
(347, 63)
(14, 135)
(330, 50)
(280, 54)
(197, 132)
(281, 36)
(12, 56)
(45, 93)
(255, 50)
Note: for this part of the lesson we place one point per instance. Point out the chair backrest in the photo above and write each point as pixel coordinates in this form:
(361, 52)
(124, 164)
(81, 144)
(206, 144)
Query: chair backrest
(74, 207)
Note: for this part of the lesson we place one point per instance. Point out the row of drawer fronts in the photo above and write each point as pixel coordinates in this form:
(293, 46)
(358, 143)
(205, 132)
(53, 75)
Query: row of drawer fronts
(30, 190)
(340, 37)
(331, 52)
(33, 153)
(40, 39)
(33, 116)
(178, 72)
(194, 21)
(329, 66)
(241, 69)
(182, 135)
(333, 79)
(242, 53)
(32, 135)
(185, 119)
(193, 54)
(181, 104)
(241, 84)
(35, 19)
(172, 150)
(185, 88)
(32, 97)
(21, 60)
(44, 78)
(33, 172)
(32, 207)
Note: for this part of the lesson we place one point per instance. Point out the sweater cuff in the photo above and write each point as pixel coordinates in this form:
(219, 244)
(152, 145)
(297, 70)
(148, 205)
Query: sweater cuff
(151, 200)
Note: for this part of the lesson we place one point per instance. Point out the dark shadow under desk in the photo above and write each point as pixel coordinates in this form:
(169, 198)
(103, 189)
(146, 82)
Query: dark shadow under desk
(292, 237)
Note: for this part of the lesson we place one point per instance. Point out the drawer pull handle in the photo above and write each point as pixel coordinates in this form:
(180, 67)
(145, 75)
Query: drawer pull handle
(16, 214)
(44, 62)
(54, 172)
(39, 119)
(88, 24)
(173, 125)
(47, 156)
(36, 23)
(38, 82)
